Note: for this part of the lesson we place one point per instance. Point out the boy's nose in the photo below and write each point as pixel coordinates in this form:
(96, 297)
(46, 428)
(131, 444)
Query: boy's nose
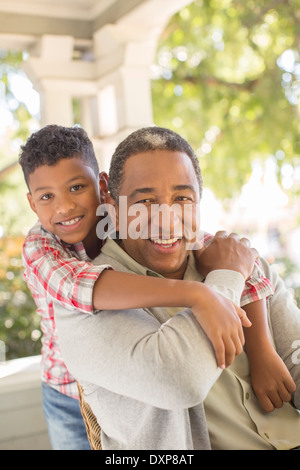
(64, 205)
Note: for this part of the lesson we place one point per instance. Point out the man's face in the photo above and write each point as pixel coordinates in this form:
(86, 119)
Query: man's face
(65, 198)
(166, 179)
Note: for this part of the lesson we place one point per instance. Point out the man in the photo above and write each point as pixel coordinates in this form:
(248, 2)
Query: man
(146, 373)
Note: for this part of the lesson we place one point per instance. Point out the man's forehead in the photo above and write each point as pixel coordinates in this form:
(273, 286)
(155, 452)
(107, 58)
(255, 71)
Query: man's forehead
(155, 160)
(151, 171)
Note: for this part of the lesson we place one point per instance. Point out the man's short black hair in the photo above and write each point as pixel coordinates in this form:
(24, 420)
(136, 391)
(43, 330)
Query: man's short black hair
(145, 140)
(51, 144)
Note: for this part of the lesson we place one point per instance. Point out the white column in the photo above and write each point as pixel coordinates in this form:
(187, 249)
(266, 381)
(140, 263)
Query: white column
(114, 89)
(54, 53)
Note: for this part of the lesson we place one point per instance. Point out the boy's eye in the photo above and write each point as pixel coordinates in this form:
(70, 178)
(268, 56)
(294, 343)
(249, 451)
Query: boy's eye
(46, 197)
(76, 187)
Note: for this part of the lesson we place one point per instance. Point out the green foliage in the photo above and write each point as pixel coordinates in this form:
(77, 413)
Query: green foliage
(10, 62)
(19, 322)
(222, 82)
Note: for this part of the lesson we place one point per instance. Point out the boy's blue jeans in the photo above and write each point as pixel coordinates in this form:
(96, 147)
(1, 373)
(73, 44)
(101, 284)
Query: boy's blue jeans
(65, 424)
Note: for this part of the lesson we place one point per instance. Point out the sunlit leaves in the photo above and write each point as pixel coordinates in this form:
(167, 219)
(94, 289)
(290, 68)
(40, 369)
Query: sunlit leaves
(233, 65)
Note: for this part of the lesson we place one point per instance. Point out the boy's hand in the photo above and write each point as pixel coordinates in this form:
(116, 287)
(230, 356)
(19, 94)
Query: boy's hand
(271, 380)
(223, 323)
(227, 252)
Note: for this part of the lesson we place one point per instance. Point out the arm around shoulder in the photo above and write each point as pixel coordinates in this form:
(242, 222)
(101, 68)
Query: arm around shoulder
(129, 352)
(54, 273)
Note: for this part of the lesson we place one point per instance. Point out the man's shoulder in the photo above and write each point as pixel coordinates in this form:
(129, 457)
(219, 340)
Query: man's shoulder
(104, 258)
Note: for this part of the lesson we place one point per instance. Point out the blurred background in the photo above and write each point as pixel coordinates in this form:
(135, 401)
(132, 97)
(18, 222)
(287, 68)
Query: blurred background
(224, 74)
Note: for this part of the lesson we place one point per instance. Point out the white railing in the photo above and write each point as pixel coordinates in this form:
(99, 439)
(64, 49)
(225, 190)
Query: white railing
(22, 423)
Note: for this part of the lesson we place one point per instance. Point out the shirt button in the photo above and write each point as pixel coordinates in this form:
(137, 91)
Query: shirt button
(247, 396)
(267, 435)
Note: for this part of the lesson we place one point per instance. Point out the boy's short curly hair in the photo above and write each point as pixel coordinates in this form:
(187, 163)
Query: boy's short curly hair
(145, 140)
(51, 144)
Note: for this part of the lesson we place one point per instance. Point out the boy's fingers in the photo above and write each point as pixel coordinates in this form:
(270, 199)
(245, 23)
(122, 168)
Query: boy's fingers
(285, 395)
(219, 349)
(243, 317)
(266, 403)
(290, 385)
(230, 352)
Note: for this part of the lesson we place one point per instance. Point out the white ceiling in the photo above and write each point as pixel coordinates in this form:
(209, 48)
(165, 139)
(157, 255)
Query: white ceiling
(23, 21)
(78, 18)
(73, 9)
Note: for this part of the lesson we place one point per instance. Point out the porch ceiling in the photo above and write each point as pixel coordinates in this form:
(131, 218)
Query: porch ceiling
(78, 18)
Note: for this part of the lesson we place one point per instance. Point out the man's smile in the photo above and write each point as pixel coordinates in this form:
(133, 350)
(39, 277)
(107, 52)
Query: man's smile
(165, 245)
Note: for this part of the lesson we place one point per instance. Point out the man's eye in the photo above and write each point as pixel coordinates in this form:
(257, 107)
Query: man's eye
(46, 197)
(183, 198)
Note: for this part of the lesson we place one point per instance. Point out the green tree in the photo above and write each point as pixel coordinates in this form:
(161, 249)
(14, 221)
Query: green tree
(227, 78)
(19, 322)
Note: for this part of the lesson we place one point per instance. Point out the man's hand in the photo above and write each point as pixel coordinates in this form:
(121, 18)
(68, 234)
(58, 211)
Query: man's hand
(227, 252)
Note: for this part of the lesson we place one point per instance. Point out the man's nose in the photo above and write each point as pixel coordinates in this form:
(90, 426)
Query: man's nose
(166, 220)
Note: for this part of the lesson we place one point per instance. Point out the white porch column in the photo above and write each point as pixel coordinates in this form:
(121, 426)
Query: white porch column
(54, 53)
(124, 53)
(114, 88)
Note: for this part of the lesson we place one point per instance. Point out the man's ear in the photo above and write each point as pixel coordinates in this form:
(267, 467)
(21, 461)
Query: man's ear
(31, 203)
(103, 184)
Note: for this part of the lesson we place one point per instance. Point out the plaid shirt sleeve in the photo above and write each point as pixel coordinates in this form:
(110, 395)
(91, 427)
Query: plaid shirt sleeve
(257, 287)
(52, 272)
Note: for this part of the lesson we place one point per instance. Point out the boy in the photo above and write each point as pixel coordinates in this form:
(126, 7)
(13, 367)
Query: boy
(62, 173)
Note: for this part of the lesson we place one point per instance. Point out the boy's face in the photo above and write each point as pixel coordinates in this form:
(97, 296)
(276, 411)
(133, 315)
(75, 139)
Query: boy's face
(167, 179)
(65, 198)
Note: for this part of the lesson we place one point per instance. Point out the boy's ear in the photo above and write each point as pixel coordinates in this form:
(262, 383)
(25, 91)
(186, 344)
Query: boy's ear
(31, 203)
(113, 209)
(103, 184)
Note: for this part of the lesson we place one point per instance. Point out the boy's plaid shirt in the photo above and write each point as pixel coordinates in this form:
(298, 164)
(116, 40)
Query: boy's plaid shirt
(257, 287)
(55, 271)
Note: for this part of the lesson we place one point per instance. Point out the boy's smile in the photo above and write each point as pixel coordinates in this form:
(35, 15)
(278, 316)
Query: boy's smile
(65, 198)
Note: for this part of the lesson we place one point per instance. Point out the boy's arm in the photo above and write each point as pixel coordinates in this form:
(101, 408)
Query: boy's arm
(219, 317)
(168, 365)
(271, 380)
(51, 272)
